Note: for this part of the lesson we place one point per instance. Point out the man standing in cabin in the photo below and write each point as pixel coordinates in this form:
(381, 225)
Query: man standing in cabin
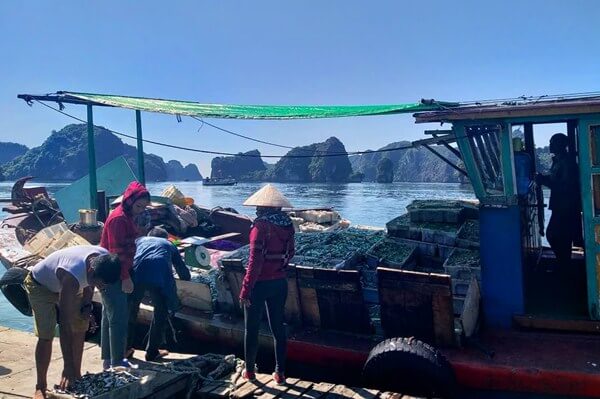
(564, 227)
(153, 265)
(60, 290)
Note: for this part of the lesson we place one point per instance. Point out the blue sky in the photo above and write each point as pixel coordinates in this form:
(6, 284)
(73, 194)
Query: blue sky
(281, 52)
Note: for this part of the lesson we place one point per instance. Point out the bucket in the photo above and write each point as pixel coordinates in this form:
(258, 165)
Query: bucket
(88, 217)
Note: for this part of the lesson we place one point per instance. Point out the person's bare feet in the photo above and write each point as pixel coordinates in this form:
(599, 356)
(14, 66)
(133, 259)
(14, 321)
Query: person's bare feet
(39, 394)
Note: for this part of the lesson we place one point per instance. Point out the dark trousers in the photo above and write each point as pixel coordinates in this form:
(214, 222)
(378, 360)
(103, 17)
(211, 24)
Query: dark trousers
(273, 294)
(159, 319)
(564, 229)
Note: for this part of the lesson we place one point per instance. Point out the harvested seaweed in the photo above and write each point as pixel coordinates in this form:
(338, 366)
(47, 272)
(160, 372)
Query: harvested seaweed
(392, 251)
(469, 231)
(463, 257)
(325, 249)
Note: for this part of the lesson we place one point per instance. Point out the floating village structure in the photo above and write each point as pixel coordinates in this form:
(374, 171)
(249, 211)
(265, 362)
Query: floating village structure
(452, 292)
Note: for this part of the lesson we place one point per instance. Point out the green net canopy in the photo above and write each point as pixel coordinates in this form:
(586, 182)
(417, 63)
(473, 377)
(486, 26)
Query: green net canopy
(249, 111)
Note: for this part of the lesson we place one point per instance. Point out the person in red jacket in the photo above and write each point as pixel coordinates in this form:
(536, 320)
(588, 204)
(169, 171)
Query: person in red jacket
(118, 237)
(265, 282)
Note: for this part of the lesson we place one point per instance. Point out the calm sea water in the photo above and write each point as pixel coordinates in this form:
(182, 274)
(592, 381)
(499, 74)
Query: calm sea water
(370, 204)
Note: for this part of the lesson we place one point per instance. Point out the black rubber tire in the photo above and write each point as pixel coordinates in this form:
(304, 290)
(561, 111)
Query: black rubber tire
(410, 367)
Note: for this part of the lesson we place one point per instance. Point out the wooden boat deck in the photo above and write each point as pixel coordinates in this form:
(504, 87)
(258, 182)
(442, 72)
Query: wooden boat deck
(17, 377)
(264, 387)
(17, 368)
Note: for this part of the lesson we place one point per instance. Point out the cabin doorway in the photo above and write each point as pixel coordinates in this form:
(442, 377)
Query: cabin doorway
(553, 289)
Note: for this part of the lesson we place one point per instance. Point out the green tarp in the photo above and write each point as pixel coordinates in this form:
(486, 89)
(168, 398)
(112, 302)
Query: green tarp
(112, 178)
(250, 111)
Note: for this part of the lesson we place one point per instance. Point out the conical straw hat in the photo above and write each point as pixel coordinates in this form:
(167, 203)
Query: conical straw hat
(268, 196)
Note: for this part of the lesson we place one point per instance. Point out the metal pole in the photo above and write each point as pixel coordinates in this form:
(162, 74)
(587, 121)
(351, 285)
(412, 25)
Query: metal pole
(140, 147)
(92, 159)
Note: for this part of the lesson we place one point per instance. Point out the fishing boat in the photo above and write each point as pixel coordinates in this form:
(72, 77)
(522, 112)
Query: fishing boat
(214, 181)
(517, 329)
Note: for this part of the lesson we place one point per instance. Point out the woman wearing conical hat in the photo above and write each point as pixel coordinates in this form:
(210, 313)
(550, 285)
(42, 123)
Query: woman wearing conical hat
(265, 282)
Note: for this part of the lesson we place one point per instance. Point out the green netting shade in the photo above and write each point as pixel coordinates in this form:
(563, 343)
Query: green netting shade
(250, 111)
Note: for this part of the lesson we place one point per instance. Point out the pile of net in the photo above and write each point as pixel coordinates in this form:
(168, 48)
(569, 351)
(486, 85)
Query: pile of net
(209, 277)
(204, 369)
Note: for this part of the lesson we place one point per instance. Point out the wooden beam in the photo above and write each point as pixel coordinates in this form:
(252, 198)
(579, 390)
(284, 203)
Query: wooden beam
(576, 325)
(499, 112)
(443, 158)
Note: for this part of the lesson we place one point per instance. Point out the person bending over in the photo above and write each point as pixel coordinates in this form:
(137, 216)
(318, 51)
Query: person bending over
(65, 280)
(153, 265)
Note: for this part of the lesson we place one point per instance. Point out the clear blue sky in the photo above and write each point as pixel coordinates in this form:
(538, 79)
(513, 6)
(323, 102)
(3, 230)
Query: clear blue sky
(280, 52)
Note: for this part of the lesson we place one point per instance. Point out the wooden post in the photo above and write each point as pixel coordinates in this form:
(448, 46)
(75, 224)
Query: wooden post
(140, 147)
(92, 159)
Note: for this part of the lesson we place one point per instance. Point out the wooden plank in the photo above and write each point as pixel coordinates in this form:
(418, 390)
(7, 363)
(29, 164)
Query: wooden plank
(390, 395)
(470, 313)
(235, 285)
(272, 390)
(364, 393)
(170, 388)
(536, 322)
(431, 289)
(206, 388)
(340, 391)
(297, 390)
(318, 391)
(194, 295)
(443, 320)
(308, 299)
(293, 309)
(250, 387)
(409, 275)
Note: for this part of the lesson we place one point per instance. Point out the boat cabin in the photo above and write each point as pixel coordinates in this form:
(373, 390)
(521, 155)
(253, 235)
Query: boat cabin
(515, 284)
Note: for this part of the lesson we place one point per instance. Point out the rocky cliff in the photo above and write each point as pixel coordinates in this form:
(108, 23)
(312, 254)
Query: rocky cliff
(9, 151)
(177, 172)
(63, 156)
(385, 171)
(247, 166)
(310, 168)
(409, 165)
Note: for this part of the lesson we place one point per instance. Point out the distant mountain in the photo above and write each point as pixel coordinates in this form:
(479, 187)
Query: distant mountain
(247, 166)
(310, 167)
(409, 165)
(63, 156)
(9, 151)
(176, 172)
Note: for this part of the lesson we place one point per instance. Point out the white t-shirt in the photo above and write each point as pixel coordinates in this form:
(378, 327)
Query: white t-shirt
(72, 260)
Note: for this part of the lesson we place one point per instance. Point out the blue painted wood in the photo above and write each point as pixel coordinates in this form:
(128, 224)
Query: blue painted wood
(501, 265)
(589, 218)
(508, 161)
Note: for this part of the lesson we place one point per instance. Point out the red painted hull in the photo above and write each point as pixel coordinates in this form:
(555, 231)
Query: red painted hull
(543, 363)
